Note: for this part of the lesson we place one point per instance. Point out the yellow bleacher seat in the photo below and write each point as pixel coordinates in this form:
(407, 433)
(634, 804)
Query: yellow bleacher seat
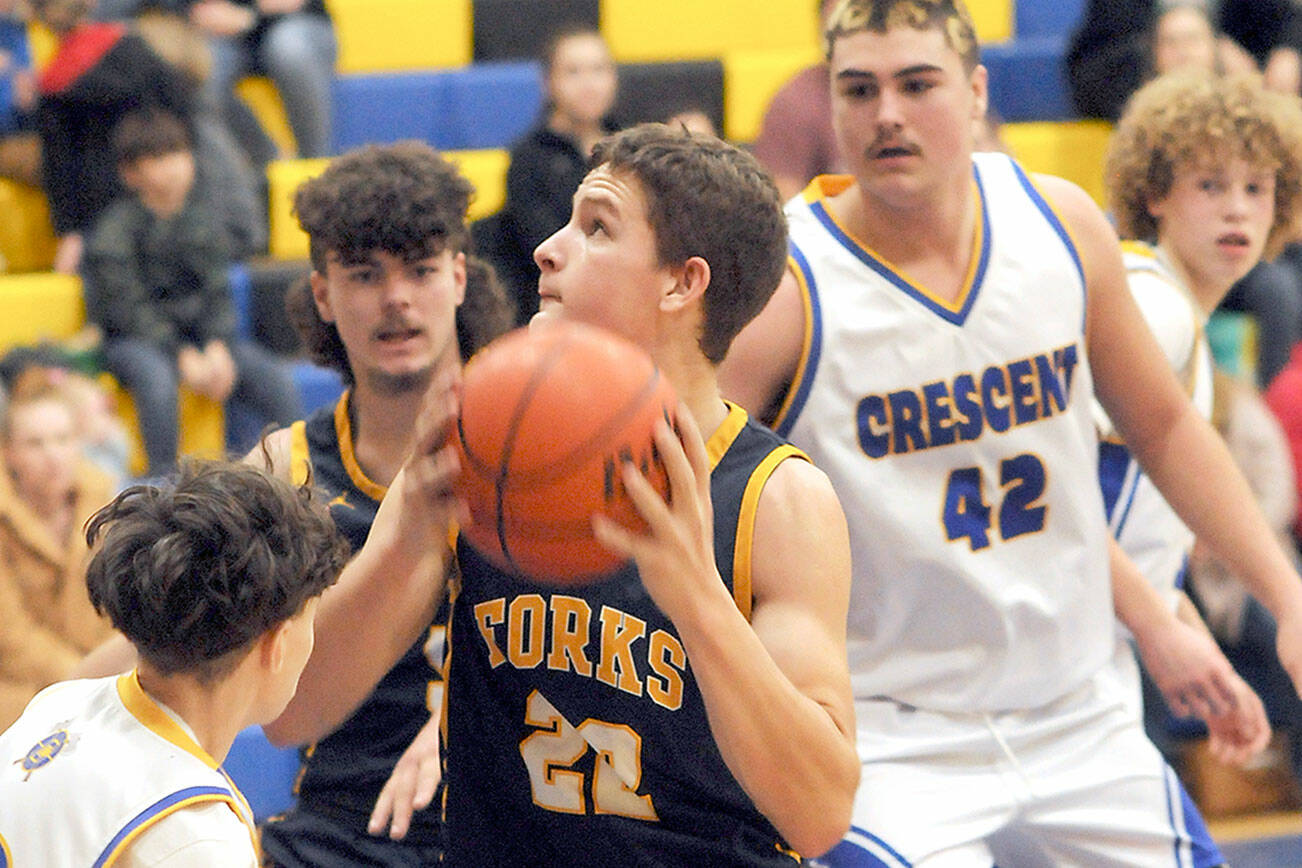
(26, 237)
(993, 19)
(261, 96)
(38, 307)
(42, 42)
(701, 29)
(202, 421)
(750, 78)
(396, 35)
(44, 306)
(485, 169)
(1070, 149)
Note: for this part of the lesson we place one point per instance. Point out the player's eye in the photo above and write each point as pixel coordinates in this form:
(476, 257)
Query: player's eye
(917, 85)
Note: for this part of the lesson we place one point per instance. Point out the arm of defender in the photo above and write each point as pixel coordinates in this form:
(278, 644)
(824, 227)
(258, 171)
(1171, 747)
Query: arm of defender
(1176, 447)
(776, 689)
(763, 358)
(389, 591)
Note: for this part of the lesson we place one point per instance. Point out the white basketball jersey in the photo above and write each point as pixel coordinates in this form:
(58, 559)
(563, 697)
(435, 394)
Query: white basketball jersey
(1146, 527)
(90, 766)
(960, 441)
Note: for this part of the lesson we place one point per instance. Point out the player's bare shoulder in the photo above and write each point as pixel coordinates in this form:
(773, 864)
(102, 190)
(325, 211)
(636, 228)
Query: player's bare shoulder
(801, 536)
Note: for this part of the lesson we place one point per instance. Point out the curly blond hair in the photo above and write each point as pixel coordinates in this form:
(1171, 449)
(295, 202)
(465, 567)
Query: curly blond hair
(1195, 120)
(951, 17)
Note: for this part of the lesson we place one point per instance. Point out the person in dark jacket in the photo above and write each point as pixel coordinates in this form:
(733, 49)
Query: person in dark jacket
(549, 161)
(156, 282)
(98, 73)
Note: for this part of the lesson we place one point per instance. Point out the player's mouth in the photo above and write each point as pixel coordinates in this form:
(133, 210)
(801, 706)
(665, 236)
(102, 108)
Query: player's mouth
(1233, 242)
(892, 152)
(396, 335)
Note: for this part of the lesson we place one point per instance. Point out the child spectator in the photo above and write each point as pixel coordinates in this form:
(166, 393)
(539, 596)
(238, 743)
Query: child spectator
(214, 581)
(47, 491)
(156, 282)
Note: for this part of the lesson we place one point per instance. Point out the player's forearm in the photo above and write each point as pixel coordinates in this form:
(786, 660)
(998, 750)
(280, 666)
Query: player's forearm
(785, 748)
(1197, 476)
(1136, 603)
(384, 599)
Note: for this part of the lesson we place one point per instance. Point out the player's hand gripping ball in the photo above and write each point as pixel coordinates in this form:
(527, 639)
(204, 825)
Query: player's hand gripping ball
(548, 416)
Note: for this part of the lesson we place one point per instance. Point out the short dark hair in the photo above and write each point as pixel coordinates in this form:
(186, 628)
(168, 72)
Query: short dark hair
(148, 132)
(404, 199)
(566, 30)
(195, 570)
(710, 199)
(950, 17)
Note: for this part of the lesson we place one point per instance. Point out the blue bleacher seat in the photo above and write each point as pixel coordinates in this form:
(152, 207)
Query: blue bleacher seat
(317, 386)
(264, 773)
(241, 284)
(1028, 79)
(389, 108)
(490, 105)
(1036, 18)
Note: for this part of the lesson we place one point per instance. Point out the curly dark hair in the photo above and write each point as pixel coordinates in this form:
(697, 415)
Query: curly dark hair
(709, 199)
(194, 571)
(406, 200)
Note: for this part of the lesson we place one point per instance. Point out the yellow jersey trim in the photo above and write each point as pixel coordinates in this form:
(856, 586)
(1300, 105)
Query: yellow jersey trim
(299, 461)
(344, 433)
(135, 833)
(742, 592)
(6, 855)
(722, 438)
(153, 718)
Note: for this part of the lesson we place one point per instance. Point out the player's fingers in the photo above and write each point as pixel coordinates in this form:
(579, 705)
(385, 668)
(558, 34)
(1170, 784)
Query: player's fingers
(1222, 689)
(427, 782)
(382, 811)
(648, 502)
(682, 480)
(614, 536)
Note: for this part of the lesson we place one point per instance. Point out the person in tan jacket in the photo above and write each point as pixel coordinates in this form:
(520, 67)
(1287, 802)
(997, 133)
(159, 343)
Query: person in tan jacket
(47, 491)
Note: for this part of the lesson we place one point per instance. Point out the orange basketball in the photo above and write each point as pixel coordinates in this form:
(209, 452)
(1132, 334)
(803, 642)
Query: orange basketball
(547, 418)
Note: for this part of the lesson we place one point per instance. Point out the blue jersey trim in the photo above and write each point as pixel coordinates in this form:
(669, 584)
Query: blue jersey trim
(806, 383)
(957, 317)
(852, 853)
(1052, 218)
(154, 810)
(1115, 464)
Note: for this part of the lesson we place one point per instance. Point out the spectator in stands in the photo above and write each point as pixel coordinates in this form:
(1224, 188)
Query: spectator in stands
(98, 73)
(225, 176)
(550, 160)
(796, 141)
(292, 42)
(156, 282)
(47, 491)
(1119, 44)
(20, 149)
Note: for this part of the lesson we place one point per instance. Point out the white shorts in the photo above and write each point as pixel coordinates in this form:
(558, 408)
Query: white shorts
(1075, 783)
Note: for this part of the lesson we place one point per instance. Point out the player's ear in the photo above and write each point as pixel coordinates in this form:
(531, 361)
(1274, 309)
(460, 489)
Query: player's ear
(980, 83)
(690, 282)
(317, 281)
(272, 647)
(459, 275)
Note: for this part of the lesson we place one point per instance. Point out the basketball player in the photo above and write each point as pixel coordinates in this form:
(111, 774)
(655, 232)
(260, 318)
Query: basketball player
(936, 346)
(1204, 172)
(393, 301)
(619, 750)
(214, 580)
